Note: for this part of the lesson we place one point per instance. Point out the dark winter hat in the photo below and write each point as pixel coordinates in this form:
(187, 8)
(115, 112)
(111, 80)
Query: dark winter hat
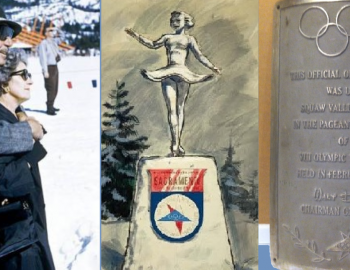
(17, 28)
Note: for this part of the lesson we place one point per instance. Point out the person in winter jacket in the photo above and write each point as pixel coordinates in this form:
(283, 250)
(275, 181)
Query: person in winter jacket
(49, 57)
(20, 182)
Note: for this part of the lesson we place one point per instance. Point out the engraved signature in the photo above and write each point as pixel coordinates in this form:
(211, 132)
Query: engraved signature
(345, 197)
(320, 195)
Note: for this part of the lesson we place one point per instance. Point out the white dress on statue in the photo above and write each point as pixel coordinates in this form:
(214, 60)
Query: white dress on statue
(177, 48)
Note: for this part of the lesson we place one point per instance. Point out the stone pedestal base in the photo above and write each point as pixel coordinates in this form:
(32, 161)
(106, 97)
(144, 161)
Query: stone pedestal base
(148, 248)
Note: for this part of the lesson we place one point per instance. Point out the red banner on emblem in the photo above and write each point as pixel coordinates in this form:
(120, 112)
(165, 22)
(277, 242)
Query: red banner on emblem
(172, 180)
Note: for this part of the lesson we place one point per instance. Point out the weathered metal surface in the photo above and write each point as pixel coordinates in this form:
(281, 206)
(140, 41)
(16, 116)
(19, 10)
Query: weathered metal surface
(310, 172)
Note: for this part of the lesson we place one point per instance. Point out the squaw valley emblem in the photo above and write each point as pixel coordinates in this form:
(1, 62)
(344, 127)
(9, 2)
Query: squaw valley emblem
(176, 203)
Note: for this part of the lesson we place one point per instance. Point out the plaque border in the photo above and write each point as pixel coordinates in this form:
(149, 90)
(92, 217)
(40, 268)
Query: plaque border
(274, 232)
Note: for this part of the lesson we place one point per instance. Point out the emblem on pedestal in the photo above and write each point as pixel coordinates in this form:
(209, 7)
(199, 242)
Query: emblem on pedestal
(176, 203)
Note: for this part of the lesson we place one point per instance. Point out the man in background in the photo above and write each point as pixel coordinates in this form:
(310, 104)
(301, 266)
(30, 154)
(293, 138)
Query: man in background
(19, 137)
(49, 57)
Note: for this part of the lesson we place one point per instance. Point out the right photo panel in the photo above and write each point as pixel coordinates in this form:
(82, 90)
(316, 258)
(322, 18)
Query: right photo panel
(179, 163)
(309, 123)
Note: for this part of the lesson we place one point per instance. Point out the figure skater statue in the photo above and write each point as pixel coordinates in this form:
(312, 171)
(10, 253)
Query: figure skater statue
(176, 78)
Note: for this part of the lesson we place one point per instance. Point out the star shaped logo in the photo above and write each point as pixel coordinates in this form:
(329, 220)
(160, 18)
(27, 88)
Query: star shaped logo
(342, 246)
(176, 216)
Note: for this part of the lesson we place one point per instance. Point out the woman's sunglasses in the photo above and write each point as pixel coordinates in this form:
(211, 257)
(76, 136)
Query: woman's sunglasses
(23, 73)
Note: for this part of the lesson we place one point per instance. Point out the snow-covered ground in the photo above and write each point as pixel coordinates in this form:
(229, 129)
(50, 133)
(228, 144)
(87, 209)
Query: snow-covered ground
(71, 170)
(55, 9)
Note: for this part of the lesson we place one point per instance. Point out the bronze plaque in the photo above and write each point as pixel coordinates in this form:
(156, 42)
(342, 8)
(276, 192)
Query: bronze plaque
(310, 162)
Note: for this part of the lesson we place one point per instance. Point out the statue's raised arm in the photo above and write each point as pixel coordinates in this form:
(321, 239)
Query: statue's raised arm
(145, 41)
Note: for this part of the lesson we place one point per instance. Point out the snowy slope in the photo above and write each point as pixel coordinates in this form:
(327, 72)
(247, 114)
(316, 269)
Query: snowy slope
(71, 170)
(57, 8)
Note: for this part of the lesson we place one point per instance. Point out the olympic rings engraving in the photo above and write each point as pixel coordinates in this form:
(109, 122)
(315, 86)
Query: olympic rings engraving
(338, 15)
(325, 28)
(302, 16)
(342, 31)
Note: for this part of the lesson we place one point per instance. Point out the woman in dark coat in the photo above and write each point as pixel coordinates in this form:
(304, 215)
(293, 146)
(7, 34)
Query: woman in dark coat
(19, 175)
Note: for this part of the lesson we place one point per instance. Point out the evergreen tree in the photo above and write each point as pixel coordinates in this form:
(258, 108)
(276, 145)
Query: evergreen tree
(238, 194)
(231, 168)
(252, 203)
(230, 178)
(121, 147)
(254, 188)
(249, 204)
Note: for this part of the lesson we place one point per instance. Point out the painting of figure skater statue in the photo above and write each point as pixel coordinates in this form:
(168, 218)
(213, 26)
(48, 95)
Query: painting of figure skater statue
(179, 79)
(175, 77)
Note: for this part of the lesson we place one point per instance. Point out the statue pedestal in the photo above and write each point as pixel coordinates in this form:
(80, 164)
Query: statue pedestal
(178, 217)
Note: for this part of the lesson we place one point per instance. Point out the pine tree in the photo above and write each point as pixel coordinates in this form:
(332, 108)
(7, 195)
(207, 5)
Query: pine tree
(231, 168)
(254, 188)
(121, 147)
(235, 191)
(230, 178)
(252, 203)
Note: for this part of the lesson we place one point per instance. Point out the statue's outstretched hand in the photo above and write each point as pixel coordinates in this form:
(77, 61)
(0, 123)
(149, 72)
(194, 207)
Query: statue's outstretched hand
(217, 70)
(131, 32)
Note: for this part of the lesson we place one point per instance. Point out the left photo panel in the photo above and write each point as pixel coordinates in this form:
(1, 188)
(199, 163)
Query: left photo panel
(50, 135)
